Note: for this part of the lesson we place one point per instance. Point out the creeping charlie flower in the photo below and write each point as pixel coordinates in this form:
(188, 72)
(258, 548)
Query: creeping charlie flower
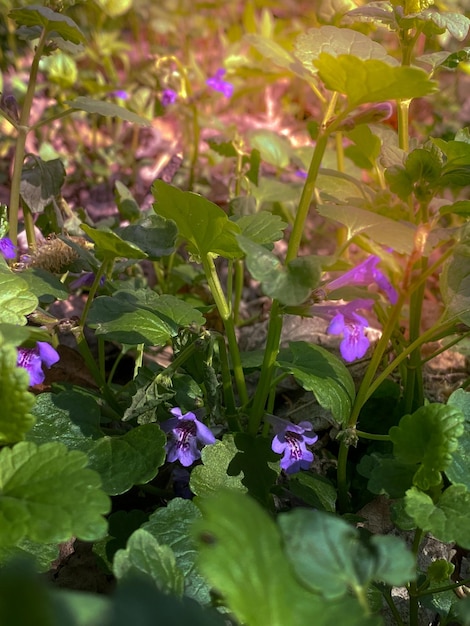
(366, 273)
(217, 83)
(291, 441)
(86, 280)
(185, 431)
(169, 96)
(33, 360)
(7, 248)
(346, 321)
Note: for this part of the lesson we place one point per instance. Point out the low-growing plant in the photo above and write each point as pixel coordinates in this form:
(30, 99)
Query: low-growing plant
(248, 514)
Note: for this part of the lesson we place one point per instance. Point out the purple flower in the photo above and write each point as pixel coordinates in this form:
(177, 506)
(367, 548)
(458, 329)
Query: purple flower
(169, 97)
(86, 280)
(217, 83)
(366, 273)
(33, 359)
(291, 441)
(119, 93)
(7, 248)
(346, 321)
(186, 431)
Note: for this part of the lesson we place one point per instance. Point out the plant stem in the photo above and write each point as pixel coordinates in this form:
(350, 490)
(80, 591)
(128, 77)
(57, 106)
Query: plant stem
(275, 319)
(225, 314)
(23, 130)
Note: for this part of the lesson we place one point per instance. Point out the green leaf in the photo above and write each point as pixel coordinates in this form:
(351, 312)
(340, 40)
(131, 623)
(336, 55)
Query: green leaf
(49, 495)
(141, 317)
(222, 146)
(371, 80)
(338, 41)
(290, 285)
(241, 555)
(271, 50)
(16, 402)
(41, 182)
(36, 15)
(316, 491)
(44, 285)
(424, 164)
(139, 603)
(107, 109)
(130, 459)
(109, 244)
(211, 476)
(126, 203)
(456, 24)
(203, 224)
(330, 557)
(322, 373)
(427, 439)
(459, 468)
(386, 475)
(153, 234)
(16, 299)
(273, 148)
(43, 555)
(384, 230)
(448, 519)
(455, 284)
(145, 554)
(171, 526)
(258, 464)
(366, 148)
(262, 228)
(114, 8)
(121, 460)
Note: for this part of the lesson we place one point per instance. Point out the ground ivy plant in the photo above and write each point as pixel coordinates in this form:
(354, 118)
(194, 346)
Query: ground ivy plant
(240, 523)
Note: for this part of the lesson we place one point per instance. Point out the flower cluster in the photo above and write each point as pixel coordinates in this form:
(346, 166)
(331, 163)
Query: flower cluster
(291, 441)
(33, 360)
(217, 83)
(185, 431)
(344, 318)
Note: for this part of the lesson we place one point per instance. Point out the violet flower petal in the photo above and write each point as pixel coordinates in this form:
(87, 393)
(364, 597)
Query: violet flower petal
(7, 248)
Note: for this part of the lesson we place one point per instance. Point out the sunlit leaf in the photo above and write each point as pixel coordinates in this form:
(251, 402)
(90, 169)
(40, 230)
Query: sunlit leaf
(384, 230)
(455, 284)
(171, 526)
(49, 495)
(242, 557)
(109, 244)
(16, 402)
(202, 223)
(16, 298)
(107, 109)
(211, 476)
(371, 80)
(52, 21)
(145, 554)
(273, 148)
(336, 41)
(153, 234)
(262, 227)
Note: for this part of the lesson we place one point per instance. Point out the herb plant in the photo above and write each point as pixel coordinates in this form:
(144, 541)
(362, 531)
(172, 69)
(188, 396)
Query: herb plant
(250, 513)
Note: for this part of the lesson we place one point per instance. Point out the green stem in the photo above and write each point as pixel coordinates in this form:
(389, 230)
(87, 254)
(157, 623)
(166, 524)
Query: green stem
(29, 228)
(229, 397)
(392, 606)
(225, 314)
(102, 270)
(413, 587)
(432, 590)
(414, 392)
(275, 319)
(23, 130)
(238, 289)
(372, 436)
